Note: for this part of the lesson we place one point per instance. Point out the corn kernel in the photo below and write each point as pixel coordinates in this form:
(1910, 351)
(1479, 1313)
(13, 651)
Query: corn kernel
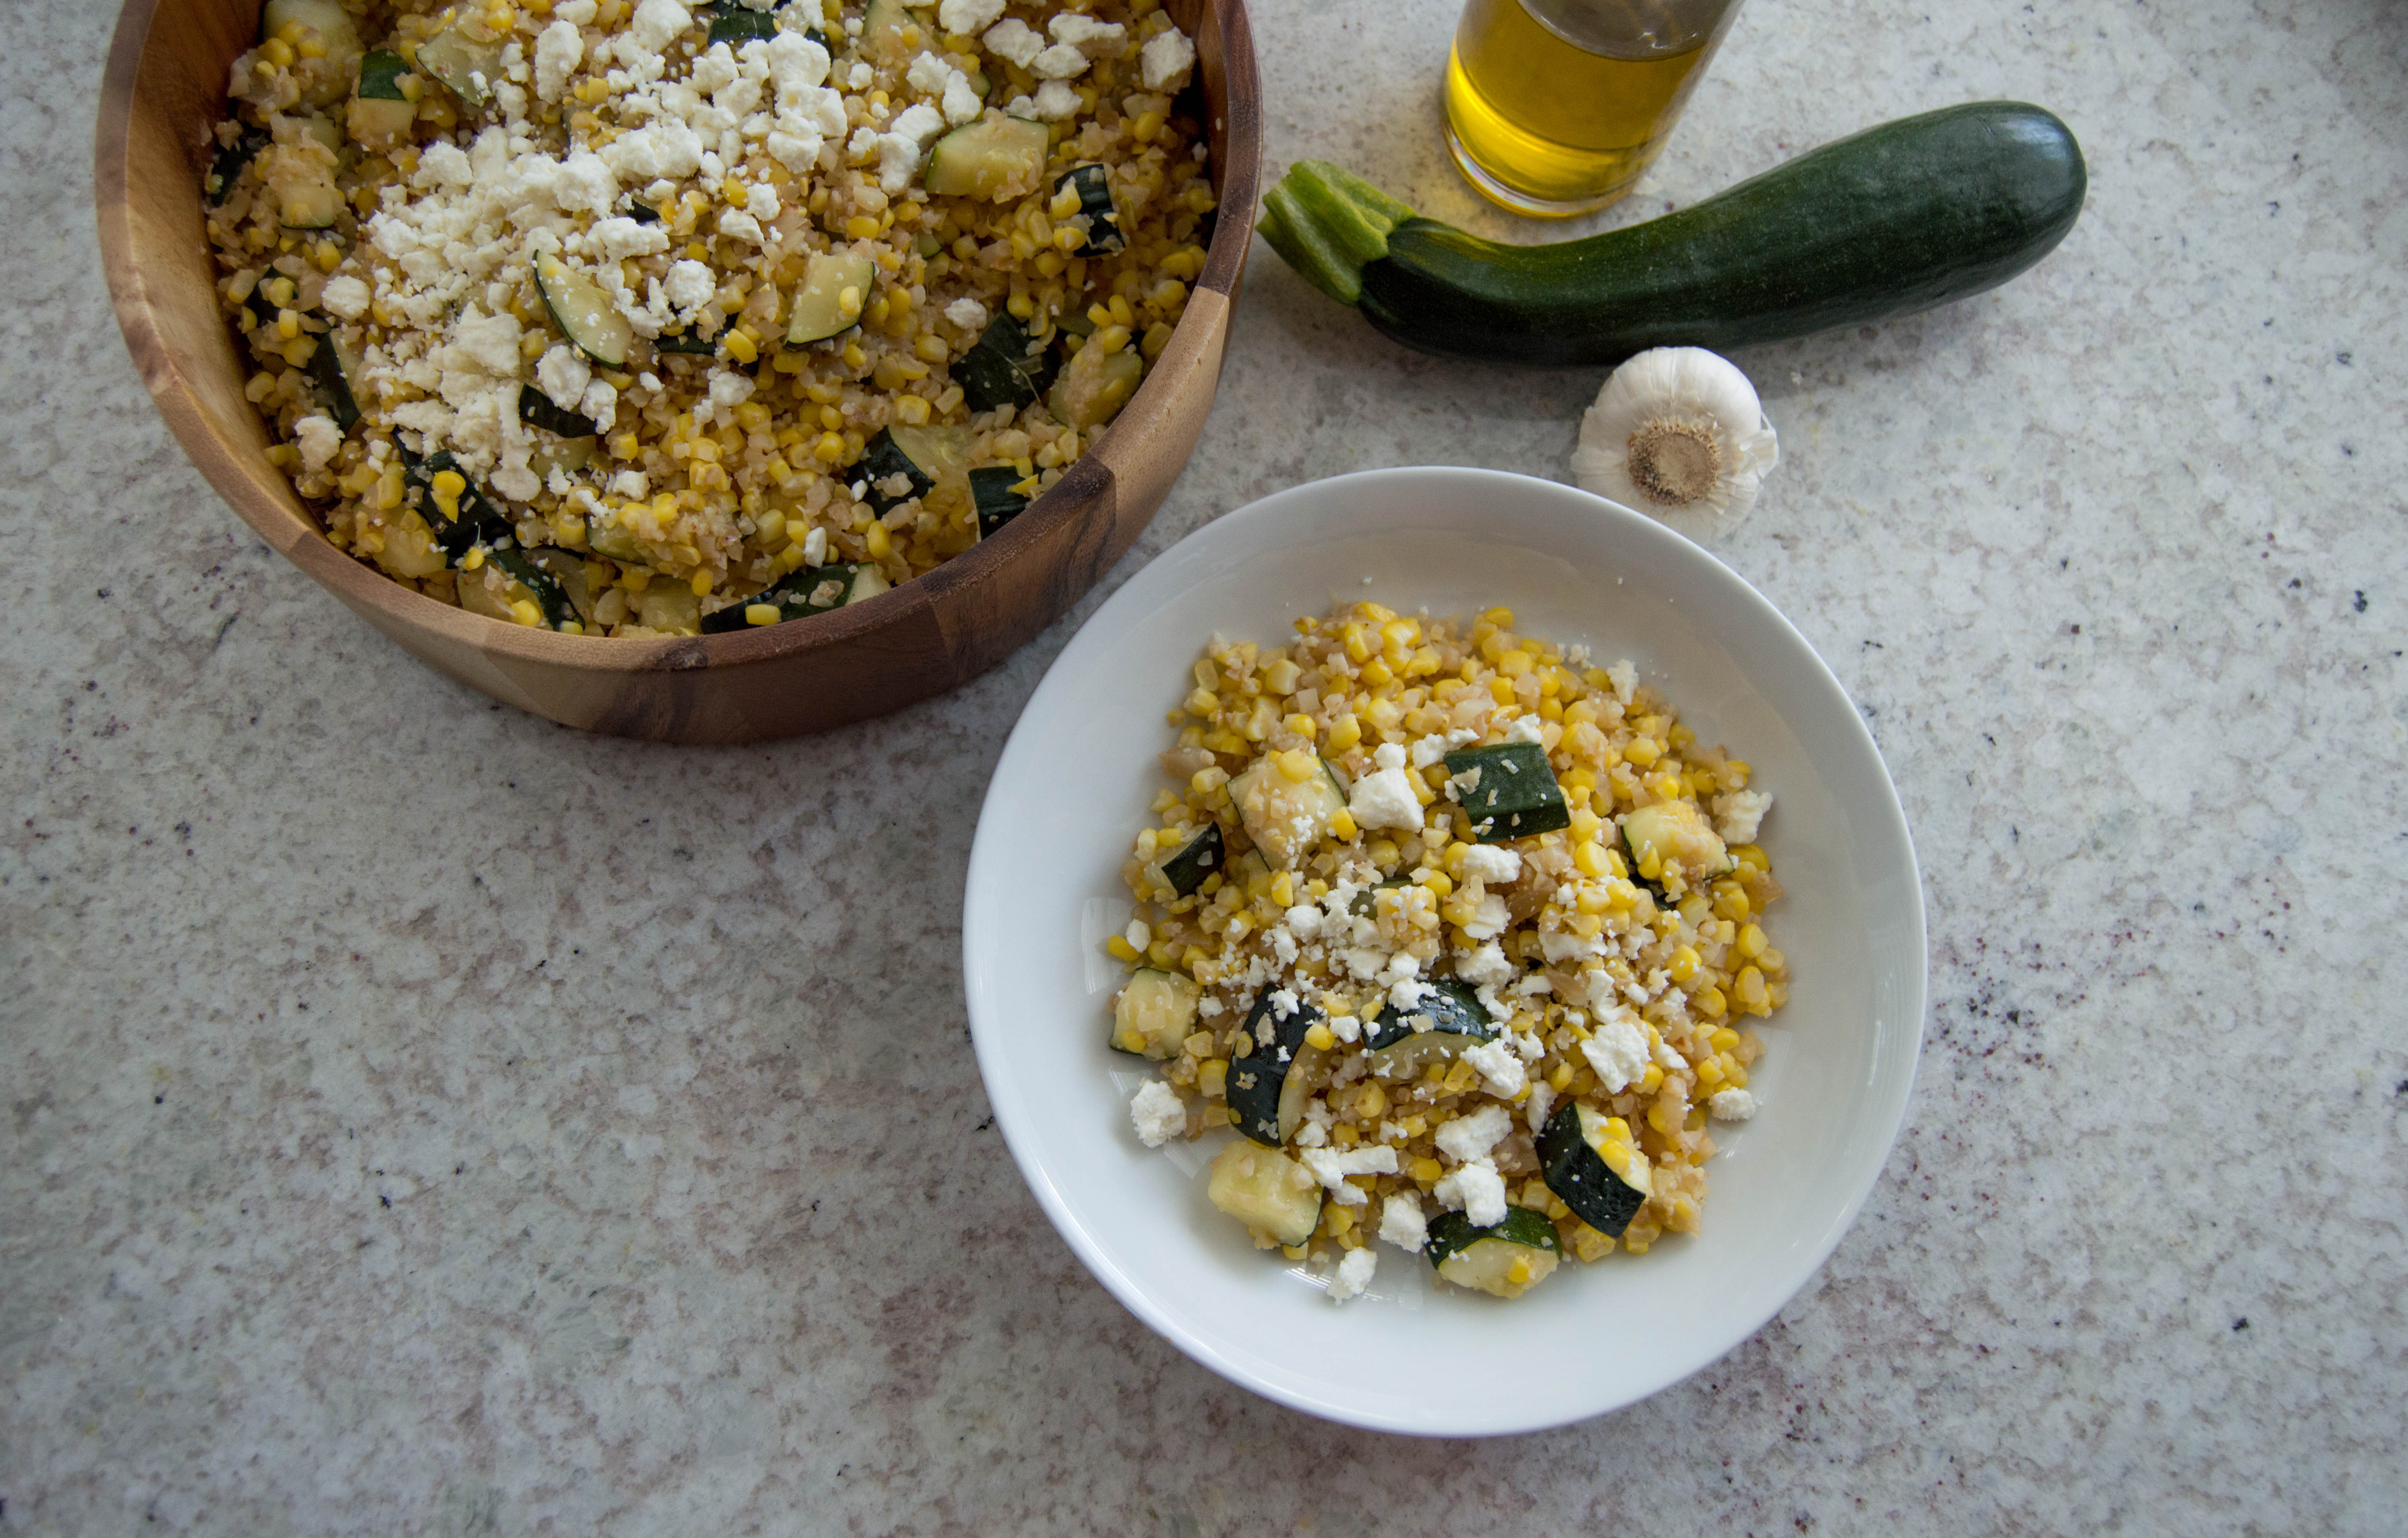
(1341, 827)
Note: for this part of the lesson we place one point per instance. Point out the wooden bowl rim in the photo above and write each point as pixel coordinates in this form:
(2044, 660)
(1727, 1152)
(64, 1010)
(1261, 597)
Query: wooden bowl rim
(246, 487)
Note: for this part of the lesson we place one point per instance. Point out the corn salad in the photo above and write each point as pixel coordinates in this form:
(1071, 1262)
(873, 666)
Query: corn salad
(1619, 958)
(383, 216)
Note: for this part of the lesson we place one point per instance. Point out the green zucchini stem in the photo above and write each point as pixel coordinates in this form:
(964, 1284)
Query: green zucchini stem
(1327, 224)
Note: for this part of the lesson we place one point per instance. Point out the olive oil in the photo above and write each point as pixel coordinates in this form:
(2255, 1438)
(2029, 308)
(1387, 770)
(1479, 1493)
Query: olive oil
(1555, 107)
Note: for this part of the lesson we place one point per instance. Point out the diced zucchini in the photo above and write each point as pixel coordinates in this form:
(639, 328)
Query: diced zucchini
(1095, 191)
(1264, 1188)
(331, 368)
(549, 597)
(1154, 1014)
(1185, 870)
(924, 456)
(1286, 817)
(1394, 1048)
(642, 213)
(687, 343)
(736, 26)
(996, 159)
(537, 410)
(1672, 835)
(814, 590)
(380, 76)
(1504, 1261)
(609, 537)
(572, 454)
(326, 18)
(461, 64)
(1002, 368)
(381, 112)
(998, 491)
(302, 182)
(567, 568)
(1095, 385)
(1280, 1060)
(1602, 1177)
(584, 312)
(1516, 794)
(836, 287)
(1366, 903)
(483, 524)
(882, 31)
(670, 607)
(230, 161)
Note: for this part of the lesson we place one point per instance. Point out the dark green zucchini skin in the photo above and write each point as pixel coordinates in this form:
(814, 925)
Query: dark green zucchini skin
(1895, 220)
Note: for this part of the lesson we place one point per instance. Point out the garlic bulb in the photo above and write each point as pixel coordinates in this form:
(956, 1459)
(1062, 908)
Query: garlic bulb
(1676, 429)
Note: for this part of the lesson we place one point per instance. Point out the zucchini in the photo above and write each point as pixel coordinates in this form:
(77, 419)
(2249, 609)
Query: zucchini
(331, 369)
(1900, 218)
(1395, 1048)
(232, 159)
(1591, 1164)
(1154, 1014)
(881, 464)
(302, 185)
(996, 159)
(461, 64)
(549, 595)
(481, 524)
(1267, 1087)
(1514, 793)
(882, 31)
(1264, 1188)
(1286, 817)
(1001, 494)
(670, 608)
(813, 590)
(584, 312)
(380, 113)
(1003, 367)
(736, 26)
(380, 76)
(1095, 191)
(687, 343)
(836, 286)
(536, 411)
(1366, 903)
(642, 213)
(1674, 835)
(1204, 853)
(326, 18)
(1095, 385)
(1505, 1261)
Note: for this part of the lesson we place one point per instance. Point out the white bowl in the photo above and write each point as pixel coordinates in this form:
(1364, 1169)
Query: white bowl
(1044, 890)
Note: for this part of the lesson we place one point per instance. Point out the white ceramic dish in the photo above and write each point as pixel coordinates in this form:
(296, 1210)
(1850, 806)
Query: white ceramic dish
(1044, 889)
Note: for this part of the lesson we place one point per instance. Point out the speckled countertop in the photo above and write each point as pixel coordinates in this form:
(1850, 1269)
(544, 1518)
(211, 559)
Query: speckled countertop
(417, 1118)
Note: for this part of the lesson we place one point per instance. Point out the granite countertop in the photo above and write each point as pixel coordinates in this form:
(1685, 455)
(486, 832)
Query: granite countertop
(419, 1117)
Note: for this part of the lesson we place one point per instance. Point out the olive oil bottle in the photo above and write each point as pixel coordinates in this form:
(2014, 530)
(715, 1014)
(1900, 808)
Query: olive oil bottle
(1554, 107)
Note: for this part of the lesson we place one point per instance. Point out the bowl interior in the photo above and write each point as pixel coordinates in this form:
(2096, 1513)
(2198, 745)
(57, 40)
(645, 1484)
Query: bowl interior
(1075, 783)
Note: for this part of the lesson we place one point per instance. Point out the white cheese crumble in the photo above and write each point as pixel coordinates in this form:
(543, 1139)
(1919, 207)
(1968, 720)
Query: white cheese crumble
(1732, 1104)
(1528, 728)
(1477, 1189)
(1488, 918)
(1096, 38)
(1491, 863)
(1624, 679)
(967, 18)
(691, 285)
(1156, 1112)
(1385, 799)
(1167, 58)
(1331, 1166)
(1014, 41)
(1542, 1100)
(1485, 967)
(319, 440)
(1618, 1053)
(562, 375)
(1352, 1275)
(658, 22)
(558, 50)
(1468, 1138)
(345, 297)
(1739, 814)
(1500, 1067)
(1402, 1223)
(1060, 61)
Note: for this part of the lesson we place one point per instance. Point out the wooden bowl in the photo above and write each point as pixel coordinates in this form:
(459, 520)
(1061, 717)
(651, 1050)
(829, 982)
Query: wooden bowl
(165, 87)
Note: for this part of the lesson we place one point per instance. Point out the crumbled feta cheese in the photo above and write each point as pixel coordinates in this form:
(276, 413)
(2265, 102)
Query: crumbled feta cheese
(655, 151)
(1303, 920)
(728, 390)
(1467, 1138)
(319, 440)
(1618, 1053)
(1285, 1003)
(1352, 1275)
(1528, 728)
(1488, 918)
(1486, 966)
(1055, 101)
(1542, 1100)
(967, 18)
(1061, 62)
(562, 375)
(1732, 1104)
(1401, 1222)
(1491, 863)
(1346, 1027)
(345, 297)
(900, 147)
(635, 485)
(815, 546)
(1389, 755)
(1739, 814)
(558, 50)
(601, 403)
(929, 74)
(690, 286)
(1014, 41)
(658, 22)
(577, 11)
(1624, 679)
(1500, 1067)
(1385, 799)
(1097, 39)
(738, 225)
(1477, 1189)
(621, 238)
(762, 202)
(1167, 58)
(1331, 1166)
(1157, 1114)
